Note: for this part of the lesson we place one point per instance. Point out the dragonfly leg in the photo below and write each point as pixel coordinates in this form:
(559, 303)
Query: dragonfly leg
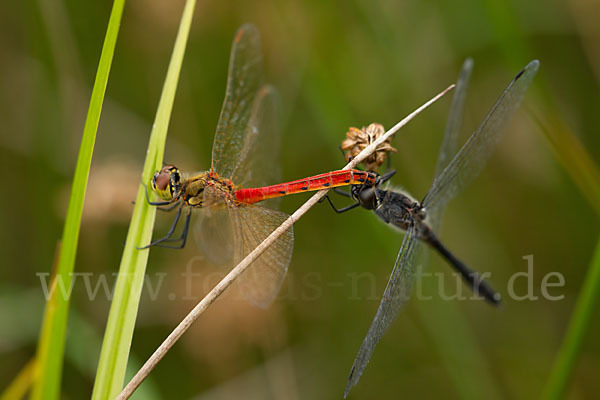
(338, 191)
(386, 177)
(342, 192)
(186, 228)
(343, 154)
(167, 238)
(160, 203)
(182, 237)
(169, 208)
(389, 162)
(341, 210)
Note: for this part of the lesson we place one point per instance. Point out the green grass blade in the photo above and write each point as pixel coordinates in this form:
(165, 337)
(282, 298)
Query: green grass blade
(565, 144)
(19, 386)
(51, 344)
(124, 307)
(584, 172)
(81, 351)
(576, 160)
(567, 356)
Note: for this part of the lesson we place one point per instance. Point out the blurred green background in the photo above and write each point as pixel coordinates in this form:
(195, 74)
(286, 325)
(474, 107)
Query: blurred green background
(335, 64)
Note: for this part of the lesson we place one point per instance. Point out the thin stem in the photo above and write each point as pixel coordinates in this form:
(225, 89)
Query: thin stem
(565, 363)
(118, 334)
(193, 315)
(51, 342)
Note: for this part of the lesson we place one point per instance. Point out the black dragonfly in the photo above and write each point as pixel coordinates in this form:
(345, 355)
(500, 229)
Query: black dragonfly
(420, 220)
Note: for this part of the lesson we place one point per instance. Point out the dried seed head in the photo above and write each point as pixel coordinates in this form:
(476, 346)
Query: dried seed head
(357, 139)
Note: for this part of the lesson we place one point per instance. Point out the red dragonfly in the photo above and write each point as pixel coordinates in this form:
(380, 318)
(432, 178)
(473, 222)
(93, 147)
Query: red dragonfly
(244, 155)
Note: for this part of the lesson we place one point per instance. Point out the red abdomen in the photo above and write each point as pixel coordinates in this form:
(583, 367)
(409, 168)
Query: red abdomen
(313, 183)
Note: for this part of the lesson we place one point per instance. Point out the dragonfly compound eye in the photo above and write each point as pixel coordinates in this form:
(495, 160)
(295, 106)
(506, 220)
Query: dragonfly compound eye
(366, 197)
(166, 182)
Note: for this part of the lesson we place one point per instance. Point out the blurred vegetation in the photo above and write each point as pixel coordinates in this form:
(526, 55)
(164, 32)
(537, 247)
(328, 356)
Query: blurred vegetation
(336, 64)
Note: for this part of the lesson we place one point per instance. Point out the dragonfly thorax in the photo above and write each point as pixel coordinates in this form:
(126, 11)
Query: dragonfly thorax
(167, 182)
(399, 209)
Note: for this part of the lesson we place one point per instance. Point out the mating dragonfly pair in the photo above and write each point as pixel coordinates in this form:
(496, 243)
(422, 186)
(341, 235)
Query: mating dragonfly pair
(231, 224)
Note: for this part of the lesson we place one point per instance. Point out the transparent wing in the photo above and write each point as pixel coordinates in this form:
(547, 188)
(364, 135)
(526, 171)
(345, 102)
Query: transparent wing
(213, 230)
(259, 157)
(455, 118)
(395, 296)
(471, 158)
(261, 282)
(450, 141)
(243, 81)
(228, 232)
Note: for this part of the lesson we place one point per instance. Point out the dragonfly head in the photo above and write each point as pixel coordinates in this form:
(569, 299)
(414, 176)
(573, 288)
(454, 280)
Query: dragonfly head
(370, 196)
(167, 182)
(366, 196)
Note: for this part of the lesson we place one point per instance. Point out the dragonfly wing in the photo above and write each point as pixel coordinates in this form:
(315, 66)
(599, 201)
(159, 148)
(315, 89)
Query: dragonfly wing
(243, 82)
(395, 296)
(455, 118)
(259, 165)
(213, 231)
(261, 282)
(450, 141)
(471, 158)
